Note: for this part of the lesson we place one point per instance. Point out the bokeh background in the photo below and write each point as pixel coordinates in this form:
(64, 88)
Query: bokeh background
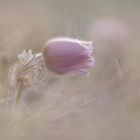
(102, 106)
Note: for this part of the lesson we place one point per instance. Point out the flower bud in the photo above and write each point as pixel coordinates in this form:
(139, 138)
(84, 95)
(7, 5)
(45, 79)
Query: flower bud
(64, 55)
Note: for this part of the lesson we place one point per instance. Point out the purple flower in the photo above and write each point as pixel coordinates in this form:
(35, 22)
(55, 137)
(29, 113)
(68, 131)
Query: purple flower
(64, 55)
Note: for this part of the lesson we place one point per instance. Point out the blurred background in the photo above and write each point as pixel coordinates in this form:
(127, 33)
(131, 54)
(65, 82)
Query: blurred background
(102, 106)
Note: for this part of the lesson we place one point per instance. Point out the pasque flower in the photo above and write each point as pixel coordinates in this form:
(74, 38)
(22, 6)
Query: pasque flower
(64, 55)
(60, 55)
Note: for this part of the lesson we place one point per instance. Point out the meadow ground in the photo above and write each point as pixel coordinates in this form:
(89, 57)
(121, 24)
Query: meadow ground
(102, 106)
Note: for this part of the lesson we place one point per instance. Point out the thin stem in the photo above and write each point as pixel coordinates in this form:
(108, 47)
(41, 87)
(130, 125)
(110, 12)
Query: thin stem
(18, 95)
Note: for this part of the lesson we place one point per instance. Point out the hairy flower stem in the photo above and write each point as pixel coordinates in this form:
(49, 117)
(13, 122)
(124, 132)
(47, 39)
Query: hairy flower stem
(18, 95)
